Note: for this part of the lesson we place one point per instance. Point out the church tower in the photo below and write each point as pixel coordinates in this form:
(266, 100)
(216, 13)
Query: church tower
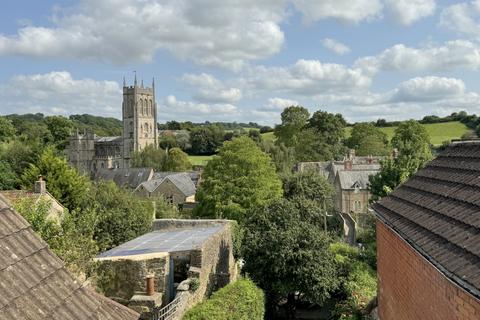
(139, 112)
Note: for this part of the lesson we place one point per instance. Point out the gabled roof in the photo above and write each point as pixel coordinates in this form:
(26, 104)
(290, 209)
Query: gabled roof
(181, 180)
(437, 211)
(351, 179)
(194, 175)
(34, 283)
(130, 177)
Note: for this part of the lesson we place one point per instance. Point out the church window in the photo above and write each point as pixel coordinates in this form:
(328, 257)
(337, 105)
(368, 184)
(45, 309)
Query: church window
(357, 205)
(141, 106)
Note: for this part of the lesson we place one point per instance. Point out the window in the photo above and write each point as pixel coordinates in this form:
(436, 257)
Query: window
(357, 205)
(170, 199)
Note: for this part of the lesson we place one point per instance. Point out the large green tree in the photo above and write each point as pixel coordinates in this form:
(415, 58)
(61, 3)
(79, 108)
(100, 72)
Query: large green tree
(60, 129)
(63, 181)
(149, 157)
(120, 215)
(241, 177)
(206, 139)
(287, 254)
(367, 140)
(7, 130)
(294, 120)
(177, 160)
(329, 133)
(412, 142)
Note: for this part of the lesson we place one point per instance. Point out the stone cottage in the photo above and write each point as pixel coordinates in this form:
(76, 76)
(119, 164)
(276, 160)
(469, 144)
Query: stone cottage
(172, 256)
(34, 283)
(428, 240)
(129, 178)
(177, 188)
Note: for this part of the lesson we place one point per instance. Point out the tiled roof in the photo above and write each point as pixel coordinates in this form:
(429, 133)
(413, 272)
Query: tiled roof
(437, 211)
(182, 181)
(34, 283)
(350, 179)
(129, 177)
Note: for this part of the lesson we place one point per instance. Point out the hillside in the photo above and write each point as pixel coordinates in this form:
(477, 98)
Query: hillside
(438, 132)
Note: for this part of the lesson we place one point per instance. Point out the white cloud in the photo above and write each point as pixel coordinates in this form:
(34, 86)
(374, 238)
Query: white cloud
(463, 18)
(174, 109)
(306, 78)
(406, 12)
(413, 98)
(212, 32)
(349, 11)
(335, 46)
(428, 89)
(58, 93)
(279, 104)
(450, 55)
(211, 90)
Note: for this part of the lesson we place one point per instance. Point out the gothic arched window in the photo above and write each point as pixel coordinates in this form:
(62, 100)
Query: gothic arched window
(150, 107)
(141, 107)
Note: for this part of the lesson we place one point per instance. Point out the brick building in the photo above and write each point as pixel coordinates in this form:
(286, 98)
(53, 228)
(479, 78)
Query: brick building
(428, 241)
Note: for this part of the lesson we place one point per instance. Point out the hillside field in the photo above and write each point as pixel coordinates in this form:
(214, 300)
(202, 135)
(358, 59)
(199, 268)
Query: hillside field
(438, 132)
(199, 160)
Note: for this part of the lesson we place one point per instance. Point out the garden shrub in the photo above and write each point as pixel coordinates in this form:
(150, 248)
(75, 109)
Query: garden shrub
(241, 300)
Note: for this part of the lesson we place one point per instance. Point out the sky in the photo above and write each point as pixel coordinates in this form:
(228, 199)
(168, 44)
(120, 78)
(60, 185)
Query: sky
(242, 60)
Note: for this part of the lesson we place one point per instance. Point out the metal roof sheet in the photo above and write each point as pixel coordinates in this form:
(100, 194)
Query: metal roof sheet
(161, 241)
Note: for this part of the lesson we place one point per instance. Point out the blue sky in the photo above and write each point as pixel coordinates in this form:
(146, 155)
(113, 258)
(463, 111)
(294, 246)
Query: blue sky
(242, 60)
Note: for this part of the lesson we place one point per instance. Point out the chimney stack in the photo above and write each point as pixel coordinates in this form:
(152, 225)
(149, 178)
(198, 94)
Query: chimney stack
(40, 185)
(150, 285)
(348, 165)
(351, 154)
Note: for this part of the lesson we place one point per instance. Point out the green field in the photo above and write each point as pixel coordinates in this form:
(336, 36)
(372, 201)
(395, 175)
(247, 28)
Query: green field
(438, 132)
(269, 136)
(199, 160)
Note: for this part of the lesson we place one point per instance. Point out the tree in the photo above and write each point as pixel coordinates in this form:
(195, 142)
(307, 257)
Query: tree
(286, 253)
(177, 160)
(70, 238)
(412, 141)
(7, 130)
(207, 139)
(283, 157)
(310, 185)
(149, 157)
(120, 215)
(63, 182)
(60, 128)
(241, 177)
(329, 130)
(294, 120)
(8, 178)
(368, 140)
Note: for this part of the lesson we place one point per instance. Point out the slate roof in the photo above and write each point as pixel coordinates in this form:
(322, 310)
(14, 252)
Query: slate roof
(437, 211)
(181, 180)
(194, 175)
(34, 283)
(130, 178)
(349, 179)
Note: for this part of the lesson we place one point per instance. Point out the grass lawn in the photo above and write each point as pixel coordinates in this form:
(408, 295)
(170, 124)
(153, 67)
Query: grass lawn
(438, 132)
(269, 136)
(199, 160)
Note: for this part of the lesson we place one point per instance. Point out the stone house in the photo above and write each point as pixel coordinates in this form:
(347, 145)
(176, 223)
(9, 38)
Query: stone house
(177, 188)
(428, 240)
(174, 254)
(38, 194)
(34, 283)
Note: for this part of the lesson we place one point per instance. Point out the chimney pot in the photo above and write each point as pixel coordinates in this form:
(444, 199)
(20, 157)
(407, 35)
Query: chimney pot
(347, 165)
(150, 285)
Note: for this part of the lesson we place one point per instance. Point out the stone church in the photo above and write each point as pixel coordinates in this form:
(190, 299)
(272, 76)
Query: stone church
(89, 152)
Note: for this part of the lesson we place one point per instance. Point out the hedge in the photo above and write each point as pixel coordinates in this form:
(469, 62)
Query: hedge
(241, 300)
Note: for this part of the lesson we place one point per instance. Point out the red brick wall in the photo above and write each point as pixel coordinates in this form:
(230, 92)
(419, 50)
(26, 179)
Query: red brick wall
(411, 288)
